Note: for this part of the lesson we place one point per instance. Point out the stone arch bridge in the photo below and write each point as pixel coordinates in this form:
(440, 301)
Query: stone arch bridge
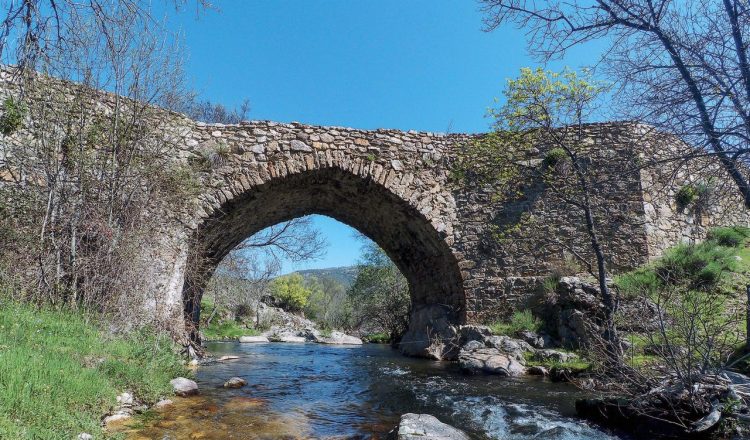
(397, 188)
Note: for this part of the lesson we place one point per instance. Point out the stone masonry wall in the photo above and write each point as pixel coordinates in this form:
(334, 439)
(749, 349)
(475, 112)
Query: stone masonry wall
(397, 188)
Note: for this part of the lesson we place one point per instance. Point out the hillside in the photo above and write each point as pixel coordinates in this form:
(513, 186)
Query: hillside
(344, 274)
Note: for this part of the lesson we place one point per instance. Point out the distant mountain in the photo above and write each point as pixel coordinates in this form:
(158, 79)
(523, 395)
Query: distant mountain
(344, 274)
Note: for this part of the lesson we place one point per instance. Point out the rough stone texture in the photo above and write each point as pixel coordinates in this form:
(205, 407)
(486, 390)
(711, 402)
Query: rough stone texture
(396, 187)
(235, 382)
(424, 426)
(253, 339)
(477, 360)
(337, 338)
(184, 387)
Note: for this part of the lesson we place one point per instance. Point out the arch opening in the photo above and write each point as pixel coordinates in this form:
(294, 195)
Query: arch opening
(407, 236)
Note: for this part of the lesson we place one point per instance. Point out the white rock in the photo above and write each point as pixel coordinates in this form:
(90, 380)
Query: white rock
(116, 418)
(425, 426)
(184, 387)
(253, 339)
(228, 358)
(125, 399)
(337, 338)
(164, 403)
(85, 436)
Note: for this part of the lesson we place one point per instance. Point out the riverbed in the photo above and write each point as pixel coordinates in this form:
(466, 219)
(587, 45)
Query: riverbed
(337, 392)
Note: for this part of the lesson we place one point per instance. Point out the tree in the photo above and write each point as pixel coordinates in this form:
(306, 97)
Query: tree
(681, 66)
(291, 291)
(380, 293)
(244, 276)
(549, 111)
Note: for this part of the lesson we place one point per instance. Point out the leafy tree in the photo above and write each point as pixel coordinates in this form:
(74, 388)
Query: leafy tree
(549, 111)
(291, 291)
(329, 303)
(380, 293)
(680, 65)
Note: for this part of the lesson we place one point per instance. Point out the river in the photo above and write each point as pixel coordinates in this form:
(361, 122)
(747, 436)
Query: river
(337, 392)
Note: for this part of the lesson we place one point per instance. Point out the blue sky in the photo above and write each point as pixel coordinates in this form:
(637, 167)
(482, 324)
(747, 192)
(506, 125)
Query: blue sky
(417, 64)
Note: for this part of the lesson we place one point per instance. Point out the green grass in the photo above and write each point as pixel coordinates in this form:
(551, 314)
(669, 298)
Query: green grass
(708, 266)
(60, 373)
(378, 338)
(576, 365)
(228, 329)
(519, 321)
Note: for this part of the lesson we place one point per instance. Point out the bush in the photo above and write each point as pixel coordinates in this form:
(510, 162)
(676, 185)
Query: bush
(291, 291)
(699, 266)
(554, 156)
(686, 195)
(640, 281)
(732, 236)
(520, 321)
(12, 118)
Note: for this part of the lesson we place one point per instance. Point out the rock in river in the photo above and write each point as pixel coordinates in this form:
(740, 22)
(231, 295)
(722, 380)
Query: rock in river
(184, 387)
(235, 382)
(425, 426)
(253, 339)
(337, 338)
(490, 361)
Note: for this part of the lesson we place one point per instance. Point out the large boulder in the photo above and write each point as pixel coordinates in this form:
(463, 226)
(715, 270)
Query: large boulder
(515, 348)
(253, 339)
(475, 360)
(431, 334)
(424, 426)
(337, 338)
(184, 387)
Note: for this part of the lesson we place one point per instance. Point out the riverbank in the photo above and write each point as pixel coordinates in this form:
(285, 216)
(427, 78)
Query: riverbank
(60, 372)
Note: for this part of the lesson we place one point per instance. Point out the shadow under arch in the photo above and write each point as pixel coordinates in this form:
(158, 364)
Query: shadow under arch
(407, 236)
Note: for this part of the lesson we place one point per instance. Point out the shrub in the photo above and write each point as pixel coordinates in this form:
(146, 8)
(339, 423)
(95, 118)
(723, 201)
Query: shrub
(554, 156)
(698, 265)
(520, 321)
(640, 281)
(290, 290)
(732, 236)
(12, 118)
(686, 195)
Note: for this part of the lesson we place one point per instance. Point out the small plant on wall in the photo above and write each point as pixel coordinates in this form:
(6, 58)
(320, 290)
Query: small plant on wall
(695, 195)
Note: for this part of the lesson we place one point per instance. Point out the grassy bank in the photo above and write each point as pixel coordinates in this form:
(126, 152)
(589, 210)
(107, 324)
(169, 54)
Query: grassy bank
(60, 373)
(221, 327)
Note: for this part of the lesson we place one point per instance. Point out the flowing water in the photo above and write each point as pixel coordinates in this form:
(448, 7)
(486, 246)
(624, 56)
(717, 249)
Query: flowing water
(337, 392)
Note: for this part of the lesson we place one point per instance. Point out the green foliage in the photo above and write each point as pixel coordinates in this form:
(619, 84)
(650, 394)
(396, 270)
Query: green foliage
(291, 291)
(733, 236)
(522, 320)
(13, 114)
(554, 157)
(226, 329)
(378, 338)
(328, 304)
(380, 294)
(693, 194)
(703, 266)
(686, 195)
(59, 372)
